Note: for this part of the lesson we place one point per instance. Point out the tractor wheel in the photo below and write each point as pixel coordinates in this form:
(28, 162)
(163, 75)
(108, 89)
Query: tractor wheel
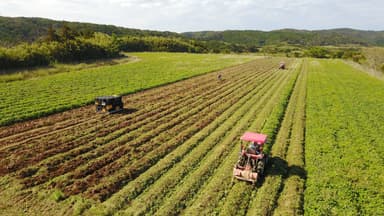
(266, 159)
(260, 167)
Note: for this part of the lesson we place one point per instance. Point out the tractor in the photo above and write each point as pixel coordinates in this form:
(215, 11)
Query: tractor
(252, 160)
(109, 104)
(282, 66)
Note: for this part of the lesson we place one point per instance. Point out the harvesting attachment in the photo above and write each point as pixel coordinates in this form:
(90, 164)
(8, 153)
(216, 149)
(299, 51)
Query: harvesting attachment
(109, 104)
(252, 160)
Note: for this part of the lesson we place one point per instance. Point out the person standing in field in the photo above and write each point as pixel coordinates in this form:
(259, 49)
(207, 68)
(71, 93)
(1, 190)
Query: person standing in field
(219, 77)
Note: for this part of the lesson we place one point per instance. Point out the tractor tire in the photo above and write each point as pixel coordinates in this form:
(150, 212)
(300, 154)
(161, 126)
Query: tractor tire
(266, 159)
(260, 167)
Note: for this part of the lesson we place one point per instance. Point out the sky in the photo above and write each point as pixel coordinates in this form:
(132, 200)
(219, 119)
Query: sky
(198, 15)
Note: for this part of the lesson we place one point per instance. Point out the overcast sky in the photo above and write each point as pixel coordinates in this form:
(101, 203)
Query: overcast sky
(197, 15)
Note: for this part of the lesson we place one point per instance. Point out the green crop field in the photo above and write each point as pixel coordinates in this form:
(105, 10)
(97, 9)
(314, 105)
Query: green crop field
(344, 141)
(173, 150)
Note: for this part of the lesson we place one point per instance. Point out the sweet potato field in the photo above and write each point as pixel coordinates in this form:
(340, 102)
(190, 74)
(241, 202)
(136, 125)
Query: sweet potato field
(172, 150)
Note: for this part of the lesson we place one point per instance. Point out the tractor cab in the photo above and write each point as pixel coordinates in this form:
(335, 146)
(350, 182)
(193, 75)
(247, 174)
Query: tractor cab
(109, 104)
(252, 160)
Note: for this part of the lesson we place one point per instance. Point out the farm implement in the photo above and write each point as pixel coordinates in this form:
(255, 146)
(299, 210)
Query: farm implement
(109, 104)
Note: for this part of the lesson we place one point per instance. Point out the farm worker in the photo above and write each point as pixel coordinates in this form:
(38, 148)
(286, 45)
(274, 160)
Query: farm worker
(252, 148)
(219, 77)
(258, 149)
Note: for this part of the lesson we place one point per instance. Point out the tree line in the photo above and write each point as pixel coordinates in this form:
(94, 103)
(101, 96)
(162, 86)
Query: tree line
(70, 45)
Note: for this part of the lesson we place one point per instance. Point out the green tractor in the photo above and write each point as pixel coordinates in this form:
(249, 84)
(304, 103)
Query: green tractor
(109, 104)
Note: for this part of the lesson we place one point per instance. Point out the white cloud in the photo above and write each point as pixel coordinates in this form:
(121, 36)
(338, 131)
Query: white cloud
(194, 15)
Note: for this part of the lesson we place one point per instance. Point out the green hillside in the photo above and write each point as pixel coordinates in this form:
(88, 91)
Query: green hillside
(22, 29)
(294, 37)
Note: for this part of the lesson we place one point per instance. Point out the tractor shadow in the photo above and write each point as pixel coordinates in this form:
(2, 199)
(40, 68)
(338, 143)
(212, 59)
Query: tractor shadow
(125, 111)
(279, 167)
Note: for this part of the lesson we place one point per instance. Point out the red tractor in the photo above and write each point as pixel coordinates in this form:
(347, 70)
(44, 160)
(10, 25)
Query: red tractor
(252, 159)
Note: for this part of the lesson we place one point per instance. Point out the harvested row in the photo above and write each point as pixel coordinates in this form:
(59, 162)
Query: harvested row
(240, 193)
(205, 157)
(212, 194)
(264, 200)
(181, 195)
(291, 199)
(135, 187)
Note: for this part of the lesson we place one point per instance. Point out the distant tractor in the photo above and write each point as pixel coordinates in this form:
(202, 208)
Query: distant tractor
(252, 160)
(282, 66)
(109, 104)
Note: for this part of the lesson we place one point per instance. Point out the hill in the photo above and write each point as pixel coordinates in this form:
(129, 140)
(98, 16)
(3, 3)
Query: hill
(23, 29)
(333, 37)
(14, 30)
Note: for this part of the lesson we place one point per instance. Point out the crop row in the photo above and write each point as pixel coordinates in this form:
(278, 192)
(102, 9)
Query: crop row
(219, 188)
(152, 157)
(52, 172)
(263, 108)
(291, 199)
(180, 121)
(197, 165)
(133, 188)
(107, 139)
(264, 200)
(195, 144)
